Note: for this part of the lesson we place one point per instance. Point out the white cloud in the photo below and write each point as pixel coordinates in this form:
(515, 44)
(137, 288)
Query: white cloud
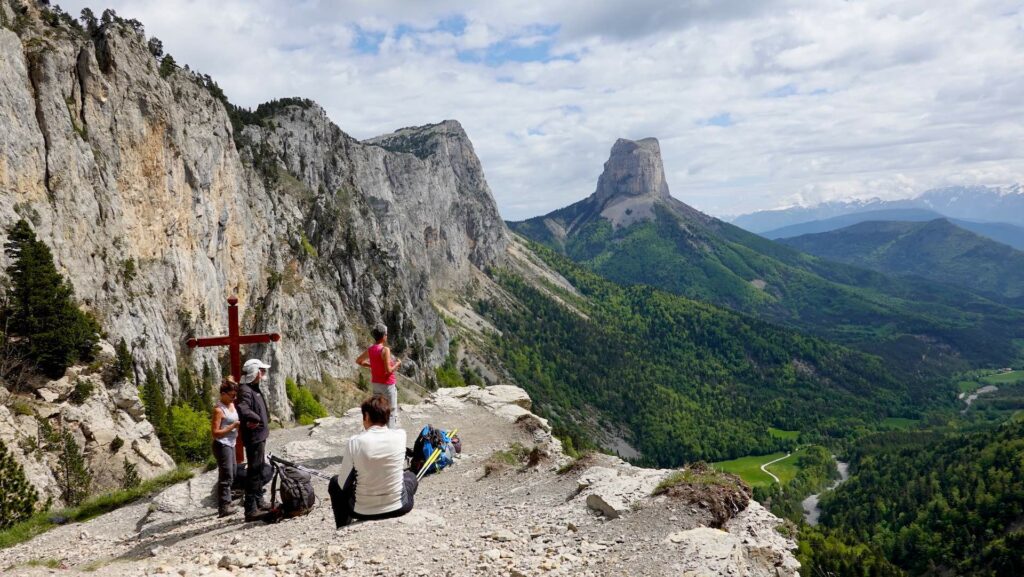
(825, 98)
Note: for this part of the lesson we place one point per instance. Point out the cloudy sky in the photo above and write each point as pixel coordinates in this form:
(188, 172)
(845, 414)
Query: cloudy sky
(757, 104)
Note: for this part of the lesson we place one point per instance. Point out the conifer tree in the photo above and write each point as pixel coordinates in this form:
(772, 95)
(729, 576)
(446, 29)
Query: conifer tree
(208, 386)
(41, 306)
(130, 478)
(124, 364)
(156, 404)
(72, 472)
(17, 496)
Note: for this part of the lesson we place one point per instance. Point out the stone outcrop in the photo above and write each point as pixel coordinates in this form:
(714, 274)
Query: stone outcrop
(156, 210)
(109, 426)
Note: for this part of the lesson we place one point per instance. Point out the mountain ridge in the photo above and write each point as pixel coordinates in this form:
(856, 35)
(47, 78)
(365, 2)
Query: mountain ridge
(978, 203)
(936, 249)
(676, 248)
(1007, 234)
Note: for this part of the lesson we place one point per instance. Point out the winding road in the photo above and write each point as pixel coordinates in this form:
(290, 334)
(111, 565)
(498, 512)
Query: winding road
(772, 475)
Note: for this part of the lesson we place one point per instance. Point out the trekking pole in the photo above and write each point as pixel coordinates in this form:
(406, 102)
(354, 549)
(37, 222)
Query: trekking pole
(313, 472)
(433, 457)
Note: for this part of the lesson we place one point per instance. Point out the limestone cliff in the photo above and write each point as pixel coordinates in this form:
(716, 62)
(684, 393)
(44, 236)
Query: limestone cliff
(135, 181)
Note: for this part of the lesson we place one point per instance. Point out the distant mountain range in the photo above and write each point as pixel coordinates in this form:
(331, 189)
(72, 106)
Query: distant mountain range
(938, 250)
(972, 203)
(631, 231)
(1008, 234)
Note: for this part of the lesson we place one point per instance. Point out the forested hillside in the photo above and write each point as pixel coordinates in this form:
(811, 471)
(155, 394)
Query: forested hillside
(918, 325)
(930, 504)
(937, 250)
(687, 380)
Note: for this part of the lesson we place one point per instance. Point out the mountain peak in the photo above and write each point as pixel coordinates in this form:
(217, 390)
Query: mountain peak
(634, 169)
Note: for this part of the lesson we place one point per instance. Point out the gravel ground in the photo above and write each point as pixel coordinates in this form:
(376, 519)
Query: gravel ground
(516, 521)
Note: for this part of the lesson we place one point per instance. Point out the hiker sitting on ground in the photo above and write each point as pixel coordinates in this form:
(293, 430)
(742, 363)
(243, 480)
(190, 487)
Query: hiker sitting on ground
(382, 370)
(376, 458)
(225, 430)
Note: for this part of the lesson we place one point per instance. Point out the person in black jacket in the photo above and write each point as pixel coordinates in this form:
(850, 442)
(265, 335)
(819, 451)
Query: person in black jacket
(255, 418)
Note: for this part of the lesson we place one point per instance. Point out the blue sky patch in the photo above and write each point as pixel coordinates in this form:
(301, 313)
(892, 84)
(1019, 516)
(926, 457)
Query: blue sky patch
(782, 91)
(720, 119)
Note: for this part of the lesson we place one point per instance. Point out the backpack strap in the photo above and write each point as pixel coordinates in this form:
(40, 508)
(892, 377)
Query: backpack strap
(273, 486)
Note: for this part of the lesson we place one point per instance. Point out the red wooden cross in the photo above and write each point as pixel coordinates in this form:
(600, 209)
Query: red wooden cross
(234, 342)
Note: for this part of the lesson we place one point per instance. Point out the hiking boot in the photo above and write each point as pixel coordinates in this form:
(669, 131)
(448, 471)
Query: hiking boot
(227, 511)
(263, 505)
(256, 515)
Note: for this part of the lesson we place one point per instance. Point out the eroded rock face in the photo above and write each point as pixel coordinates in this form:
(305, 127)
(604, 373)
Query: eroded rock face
(136, 184)
(634, 168)
(109, 427)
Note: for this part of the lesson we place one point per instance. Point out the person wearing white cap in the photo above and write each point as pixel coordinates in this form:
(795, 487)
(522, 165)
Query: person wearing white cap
(255, 419)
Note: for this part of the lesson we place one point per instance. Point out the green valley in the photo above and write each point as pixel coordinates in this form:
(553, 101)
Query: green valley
(686, 379)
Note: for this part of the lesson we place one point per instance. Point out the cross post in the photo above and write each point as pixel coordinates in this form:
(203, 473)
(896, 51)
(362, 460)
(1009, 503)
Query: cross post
(234, 341)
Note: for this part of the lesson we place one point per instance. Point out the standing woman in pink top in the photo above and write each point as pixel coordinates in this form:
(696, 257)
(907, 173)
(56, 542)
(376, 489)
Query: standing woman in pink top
(382, 370)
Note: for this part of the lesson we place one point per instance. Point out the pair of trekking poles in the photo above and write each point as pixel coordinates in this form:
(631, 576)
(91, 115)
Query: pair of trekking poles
(433, 457)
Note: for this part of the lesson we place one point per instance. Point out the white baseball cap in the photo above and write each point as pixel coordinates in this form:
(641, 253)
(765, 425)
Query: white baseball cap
(251, 368)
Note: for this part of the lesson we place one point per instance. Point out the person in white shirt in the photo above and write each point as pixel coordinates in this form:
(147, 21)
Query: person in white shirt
(372, 484)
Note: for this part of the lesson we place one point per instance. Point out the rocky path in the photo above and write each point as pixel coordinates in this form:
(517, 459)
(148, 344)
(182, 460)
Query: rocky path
(478, 517)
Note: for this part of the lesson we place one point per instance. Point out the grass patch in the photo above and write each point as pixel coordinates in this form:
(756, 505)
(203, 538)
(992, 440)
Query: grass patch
(900, 423)
(50, 563)
(783, 434)
(578, 464)
(1010, 378)
(697, 476)
(786, 469)
(721, 494)
(514, 456)
(749, 468)
(92, 507)
(968, 386)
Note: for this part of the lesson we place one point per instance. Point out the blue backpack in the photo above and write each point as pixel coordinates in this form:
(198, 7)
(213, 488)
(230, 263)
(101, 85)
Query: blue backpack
(426, 443)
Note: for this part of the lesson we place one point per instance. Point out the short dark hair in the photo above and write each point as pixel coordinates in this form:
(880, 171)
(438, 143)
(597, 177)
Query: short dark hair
(379, 332)
(228, 385)
(378, 409)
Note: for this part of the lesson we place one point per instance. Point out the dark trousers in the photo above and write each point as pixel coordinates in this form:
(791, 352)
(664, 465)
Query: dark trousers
(255, 453)
(225, 456)
(343, 499)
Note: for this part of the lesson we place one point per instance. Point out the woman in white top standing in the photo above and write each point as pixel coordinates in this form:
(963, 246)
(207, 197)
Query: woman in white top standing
(224, 424)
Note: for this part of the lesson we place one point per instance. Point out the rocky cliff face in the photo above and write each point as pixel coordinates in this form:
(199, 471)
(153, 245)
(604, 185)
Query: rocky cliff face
(134, 180)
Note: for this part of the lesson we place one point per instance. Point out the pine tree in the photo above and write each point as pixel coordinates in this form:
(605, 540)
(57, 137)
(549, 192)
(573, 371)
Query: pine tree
(17, 496)
(167, 66)
(208, 386)
(156, 47)
(42, 308)
(89, 20)
(131, 478)
(156, 404)
(72, 472)
(124, 365)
